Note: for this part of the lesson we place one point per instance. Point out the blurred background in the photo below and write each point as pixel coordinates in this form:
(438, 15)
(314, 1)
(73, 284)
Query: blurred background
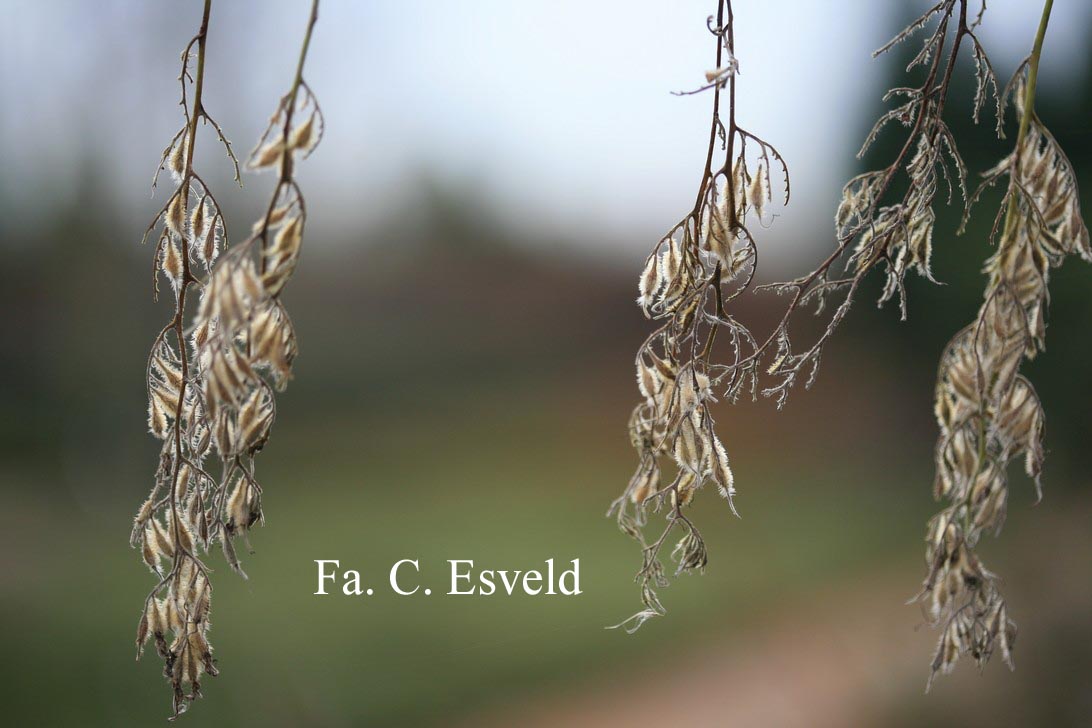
(492, 176)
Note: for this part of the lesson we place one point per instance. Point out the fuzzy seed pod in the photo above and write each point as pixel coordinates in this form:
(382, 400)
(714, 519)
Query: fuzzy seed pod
(268, 156)
(757, 193)
(157, 418)
(172, 263)
(282, 256)
(176, 161)
(198, 221)
(303, 136)
(176, 214)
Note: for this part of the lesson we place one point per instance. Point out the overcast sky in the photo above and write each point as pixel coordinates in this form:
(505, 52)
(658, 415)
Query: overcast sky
(558, 114)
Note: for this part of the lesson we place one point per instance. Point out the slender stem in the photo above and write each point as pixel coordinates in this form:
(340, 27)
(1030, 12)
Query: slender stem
(1029, 111)
(286, 153)
(931, 87)
(708, 171)
(1012, 211)
(306, 44)
(187, 277)
(198, 84)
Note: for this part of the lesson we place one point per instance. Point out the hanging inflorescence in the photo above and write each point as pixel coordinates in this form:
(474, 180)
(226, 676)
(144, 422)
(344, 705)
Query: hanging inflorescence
(688, 283)
(211, 376)
(989, 413)
(880, 225)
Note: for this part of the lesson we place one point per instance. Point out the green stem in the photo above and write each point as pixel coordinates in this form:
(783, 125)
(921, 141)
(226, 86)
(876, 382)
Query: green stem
(306, 44)
(1029, 110)
(1013, 211)
(290, 105)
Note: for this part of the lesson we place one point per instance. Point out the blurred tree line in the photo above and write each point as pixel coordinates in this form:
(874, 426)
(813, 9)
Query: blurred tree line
(76, 294)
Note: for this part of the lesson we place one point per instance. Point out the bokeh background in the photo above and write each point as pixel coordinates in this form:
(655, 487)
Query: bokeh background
(492, 176)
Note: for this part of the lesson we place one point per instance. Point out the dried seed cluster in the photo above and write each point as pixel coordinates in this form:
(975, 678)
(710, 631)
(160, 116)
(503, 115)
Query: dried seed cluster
(211, 377)
(876, 229)
(687, 284)
(989, 413)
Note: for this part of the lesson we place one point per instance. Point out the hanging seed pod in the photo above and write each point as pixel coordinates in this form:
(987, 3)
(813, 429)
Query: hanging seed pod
(988, 413)
(208, 370)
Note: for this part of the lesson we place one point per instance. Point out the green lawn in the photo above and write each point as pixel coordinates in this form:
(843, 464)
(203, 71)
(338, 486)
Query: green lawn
(485, 481)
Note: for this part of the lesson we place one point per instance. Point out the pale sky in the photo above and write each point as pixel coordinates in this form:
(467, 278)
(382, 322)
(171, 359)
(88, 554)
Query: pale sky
(558, 114)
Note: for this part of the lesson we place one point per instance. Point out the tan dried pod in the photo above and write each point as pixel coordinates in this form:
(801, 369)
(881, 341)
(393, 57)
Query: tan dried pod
(649, 283)
(172, 262)
(282, 256)
(304, 136)
(199, 374)
(157, 418)
(757, 192)
(177, 160)
(269, 155)
(198, 220)
(176, 213)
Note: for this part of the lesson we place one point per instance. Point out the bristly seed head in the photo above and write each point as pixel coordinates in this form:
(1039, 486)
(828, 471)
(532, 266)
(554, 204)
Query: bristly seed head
(212, 373)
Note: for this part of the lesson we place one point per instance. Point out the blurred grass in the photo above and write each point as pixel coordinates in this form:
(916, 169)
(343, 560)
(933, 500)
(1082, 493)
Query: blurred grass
(514, 479)
(435, 421)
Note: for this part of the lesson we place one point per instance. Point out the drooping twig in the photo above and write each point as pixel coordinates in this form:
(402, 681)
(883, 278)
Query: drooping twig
(989, 414)
(692, 275)
(210, 385)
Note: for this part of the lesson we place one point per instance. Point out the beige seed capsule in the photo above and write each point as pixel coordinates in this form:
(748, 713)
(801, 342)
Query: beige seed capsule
(304, 136)
(176, 161)
(757, 193)
(176, 214)
(649, 282)
(268, 155)
(157, 418)
(172, 262)
(198, 220)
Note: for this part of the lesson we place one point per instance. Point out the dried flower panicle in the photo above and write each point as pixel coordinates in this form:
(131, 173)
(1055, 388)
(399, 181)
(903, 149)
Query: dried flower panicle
(687, 284)
(989, 413)
(172, 525)
(211, 378)
(875, 229)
